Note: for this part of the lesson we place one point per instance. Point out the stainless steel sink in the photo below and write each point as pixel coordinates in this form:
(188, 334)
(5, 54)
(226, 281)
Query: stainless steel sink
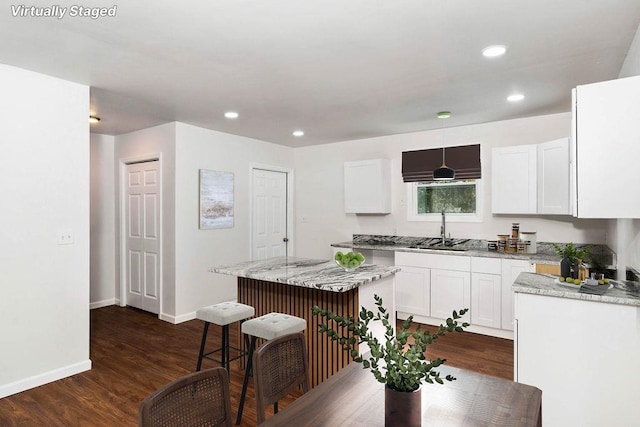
(439, 248)
(445, 248)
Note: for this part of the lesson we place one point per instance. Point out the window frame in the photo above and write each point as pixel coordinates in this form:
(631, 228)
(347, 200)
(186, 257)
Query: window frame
(412, 205)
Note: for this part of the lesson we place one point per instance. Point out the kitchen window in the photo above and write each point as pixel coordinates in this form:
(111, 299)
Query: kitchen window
(461, 201)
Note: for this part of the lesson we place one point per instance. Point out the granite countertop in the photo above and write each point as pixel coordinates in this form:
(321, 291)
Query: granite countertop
(308, 273)
(464, 247)
(540, 258)
(623, 292)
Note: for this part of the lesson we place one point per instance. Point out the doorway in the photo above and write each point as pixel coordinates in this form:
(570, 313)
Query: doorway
(141, 225)
(270, 213)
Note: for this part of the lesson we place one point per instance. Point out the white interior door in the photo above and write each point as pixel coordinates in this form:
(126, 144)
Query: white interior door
(269, 214)
(142, 228)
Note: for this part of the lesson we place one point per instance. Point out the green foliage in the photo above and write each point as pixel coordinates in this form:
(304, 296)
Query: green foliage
(572, 252)
(396, 362)
(458, 198)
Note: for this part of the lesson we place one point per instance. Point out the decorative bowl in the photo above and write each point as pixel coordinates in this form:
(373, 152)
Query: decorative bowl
(349, 261)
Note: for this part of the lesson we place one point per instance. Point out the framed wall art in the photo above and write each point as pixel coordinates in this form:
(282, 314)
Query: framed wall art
(216, 199)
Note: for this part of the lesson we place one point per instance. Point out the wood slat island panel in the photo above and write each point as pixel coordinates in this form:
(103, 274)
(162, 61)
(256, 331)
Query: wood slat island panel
(325, 356)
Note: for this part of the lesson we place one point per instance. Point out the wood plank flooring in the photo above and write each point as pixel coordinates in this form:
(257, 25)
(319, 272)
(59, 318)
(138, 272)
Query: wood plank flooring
(134, 353)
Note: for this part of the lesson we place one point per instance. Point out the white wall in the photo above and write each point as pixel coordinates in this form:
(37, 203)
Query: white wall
(103, 231)
(189, 252)
(320, 220)
(198, 250)
(155, 142)
(631, 65)
(44, 182)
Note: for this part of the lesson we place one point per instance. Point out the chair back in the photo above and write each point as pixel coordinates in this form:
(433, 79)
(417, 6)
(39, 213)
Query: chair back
(200, 398)
(280, 366)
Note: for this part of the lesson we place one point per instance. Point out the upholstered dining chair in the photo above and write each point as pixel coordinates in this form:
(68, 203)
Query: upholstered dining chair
(280, 366)
(200, 398)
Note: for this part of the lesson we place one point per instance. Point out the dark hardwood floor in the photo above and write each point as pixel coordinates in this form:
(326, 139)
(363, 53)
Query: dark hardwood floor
(133, 353)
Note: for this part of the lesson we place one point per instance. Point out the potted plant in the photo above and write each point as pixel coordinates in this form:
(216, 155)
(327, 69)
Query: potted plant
(572, 256)
(399, 362)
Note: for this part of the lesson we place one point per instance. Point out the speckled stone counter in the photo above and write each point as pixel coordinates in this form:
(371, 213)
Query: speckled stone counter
(622, 292)
(466, 247)
(308, 273)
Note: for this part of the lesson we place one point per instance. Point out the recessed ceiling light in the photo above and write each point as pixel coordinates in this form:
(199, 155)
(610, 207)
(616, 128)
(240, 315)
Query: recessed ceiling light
(94, 119)
(515, 97)
(298, 133)
(231, 115)
(494, 51)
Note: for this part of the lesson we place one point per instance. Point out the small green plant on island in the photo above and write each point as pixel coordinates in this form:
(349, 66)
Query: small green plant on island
(397, 362)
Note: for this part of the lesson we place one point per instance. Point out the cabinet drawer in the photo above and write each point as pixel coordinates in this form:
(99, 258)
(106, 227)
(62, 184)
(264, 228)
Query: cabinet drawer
(445, 262)
(486, 265)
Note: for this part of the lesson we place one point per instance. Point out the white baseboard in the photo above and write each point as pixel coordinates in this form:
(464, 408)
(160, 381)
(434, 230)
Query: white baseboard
(45, 378)
(177, 319)
(104, 303)
(499, 333)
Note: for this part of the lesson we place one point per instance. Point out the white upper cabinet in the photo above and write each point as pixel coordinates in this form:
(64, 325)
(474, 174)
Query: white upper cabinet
(531, 179)
(553, 177)
(367, 187)
(513, 180)
(606, 145)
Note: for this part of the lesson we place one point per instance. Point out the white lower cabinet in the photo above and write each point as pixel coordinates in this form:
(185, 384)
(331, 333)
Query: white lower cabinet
(413, 290)
(486, 292)
(486, 300)
(450, 290)
(511, 268)
(431, 286)
(583, 355)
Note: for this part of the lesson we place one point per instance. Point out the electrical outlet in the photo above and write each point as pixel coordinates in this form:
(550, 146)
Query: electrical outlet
(65, 237)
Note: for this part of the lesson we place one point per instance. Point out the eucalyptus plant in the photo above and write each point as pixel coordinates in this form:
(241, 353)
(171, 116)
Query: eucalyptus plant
(572, 252)
(398, 362)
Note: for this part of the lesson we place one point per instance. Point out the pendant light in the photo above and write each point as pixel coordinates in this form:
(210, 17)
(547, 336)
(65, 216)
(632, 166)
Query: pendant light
(443, 173)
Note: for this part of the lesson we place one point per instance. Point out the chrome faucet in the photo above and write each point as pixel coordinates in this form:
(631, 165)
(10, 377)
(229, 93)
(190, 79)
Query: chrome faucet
(443, 229)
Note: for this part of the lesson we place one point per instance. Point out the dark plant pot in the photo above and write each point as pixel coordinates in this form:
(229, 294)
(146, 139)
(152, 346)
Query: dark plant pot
(565, 267)
(402, 408)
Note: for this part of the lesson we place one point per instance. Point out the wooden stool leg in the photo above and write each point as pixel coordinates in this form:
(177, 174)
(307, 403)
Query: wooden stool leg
(247, 372)
(204, 341)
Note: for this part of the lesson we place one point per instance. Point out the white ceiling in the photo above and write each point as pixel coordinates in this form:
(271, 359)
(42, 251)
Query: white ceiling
(337, 69)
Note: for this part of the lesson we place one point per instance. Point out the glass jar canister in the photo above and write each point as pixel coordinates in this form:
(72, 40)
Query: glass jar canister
(515, 230)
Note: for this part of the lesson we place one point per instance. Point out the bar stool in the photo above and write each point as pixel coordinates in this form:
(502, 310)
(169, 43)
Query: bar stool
(222, 314)
(268, 327)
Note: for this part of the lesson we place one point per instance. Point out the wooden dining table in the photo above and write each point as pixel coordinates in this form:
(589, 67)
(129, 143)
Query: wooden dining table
(353, 397)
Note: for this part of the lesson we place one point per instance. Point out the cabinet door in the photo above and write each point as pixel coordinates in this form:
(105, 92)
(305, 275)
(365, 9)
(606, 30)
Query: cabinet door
(513, 180)
(367, 187)
(607, 148)
(553, 177)
(511, 268)
(450, 290)
(486, 301)
(413, 289)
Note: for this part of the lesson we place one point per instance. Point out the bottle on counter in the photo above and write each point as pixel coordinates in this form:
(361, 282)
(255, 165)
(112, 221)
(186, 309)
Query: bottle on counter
(515, 230)
(502, 242)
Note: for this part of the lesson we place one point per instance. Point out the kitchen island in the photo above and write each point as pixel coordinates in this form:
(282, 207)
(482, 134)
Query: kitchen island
(294, 285)
(580, 349)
